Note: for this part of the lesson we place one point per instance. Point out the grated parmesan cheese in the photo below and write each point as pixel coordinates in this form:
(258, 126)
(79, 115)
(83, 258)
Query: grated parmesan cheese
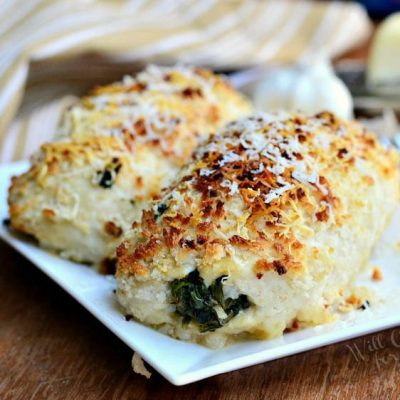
(206, 172)
(260, 139)
(228, 158)
(261, 168)
(233, 186)
(275, 193)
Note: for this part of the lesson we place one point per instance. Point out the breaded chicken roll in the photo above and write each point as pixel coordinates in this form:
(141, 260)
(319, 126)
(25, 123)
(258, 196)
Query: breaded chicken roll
(266, 230)
(116, 149)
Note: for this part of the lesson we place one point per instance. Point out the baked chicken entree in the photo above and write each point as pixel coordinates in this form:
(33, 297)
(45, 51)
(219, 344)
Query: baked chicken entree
(116, 149)
(266, 230)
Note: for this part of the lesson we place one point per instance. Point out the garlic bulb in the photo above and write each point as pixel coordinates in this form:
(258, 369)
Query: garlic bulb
(310, 88)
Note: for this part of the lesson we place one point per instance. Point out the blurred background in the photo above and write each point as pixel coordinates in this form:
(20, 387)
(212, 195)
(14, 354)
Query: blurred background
(303, 55)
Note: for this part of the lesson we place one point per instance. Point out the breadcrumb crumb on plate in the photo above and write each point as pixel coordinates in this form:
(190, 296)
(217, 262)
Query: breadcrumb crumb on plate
(139, 367)
(181, 362)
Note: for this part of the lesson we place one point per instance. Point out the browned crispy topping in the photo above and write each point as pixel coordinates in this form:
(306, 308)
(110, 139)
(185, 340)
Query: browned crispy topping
(279, 267)
(201, 239)
(264, 265)
(172, 236)
(48, 213)
(322, 216)
(294, 327)
(113, 229)
(302, 138)
(108, 266)
(342, 152)
(52, 166)
(239, 241)
(204, 227)
(377, 274)
(146, 250)
(214, 114)
(187, 243)
(354, 300)
(148, 221)
(138, 87)
(140, 127)
(192, 92)
(177, 220)
(139, 181)
(122, 250)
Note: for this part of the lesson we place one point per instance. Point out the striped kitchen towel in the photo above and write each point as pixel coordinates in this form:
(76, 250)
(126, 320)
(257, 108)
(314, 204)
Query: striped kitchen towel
(227, 34)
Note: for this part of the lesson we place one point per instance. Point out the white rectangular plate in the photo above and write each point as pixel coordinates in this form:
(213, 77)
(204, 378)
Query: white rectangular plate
(181, 362)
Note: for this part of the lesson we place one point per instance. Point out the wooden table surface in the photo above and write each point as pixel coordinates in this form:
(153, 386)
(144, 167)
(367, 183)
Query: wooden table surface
(52, 348)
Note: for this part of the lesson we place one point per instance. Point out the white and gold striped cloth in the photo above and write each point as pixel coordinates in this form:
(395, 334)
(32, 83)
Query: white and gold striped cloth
(220, 34)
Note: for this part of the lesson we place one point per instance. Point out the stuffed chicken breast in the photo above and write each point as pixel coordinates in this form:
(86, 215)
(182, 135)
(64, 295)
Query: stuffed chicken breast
(266, 230)
(115, 150)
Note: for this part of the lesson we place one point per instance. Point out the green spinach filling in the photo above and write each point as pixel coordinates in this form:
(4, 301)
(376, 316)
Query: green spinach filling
(160, 210)
(106, 178)
(195, 301)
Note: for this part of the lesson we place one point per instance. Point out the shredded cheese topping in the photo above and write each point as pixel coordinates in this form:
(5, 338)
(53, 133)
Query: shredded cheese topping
(266, 138)
(160, 105)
